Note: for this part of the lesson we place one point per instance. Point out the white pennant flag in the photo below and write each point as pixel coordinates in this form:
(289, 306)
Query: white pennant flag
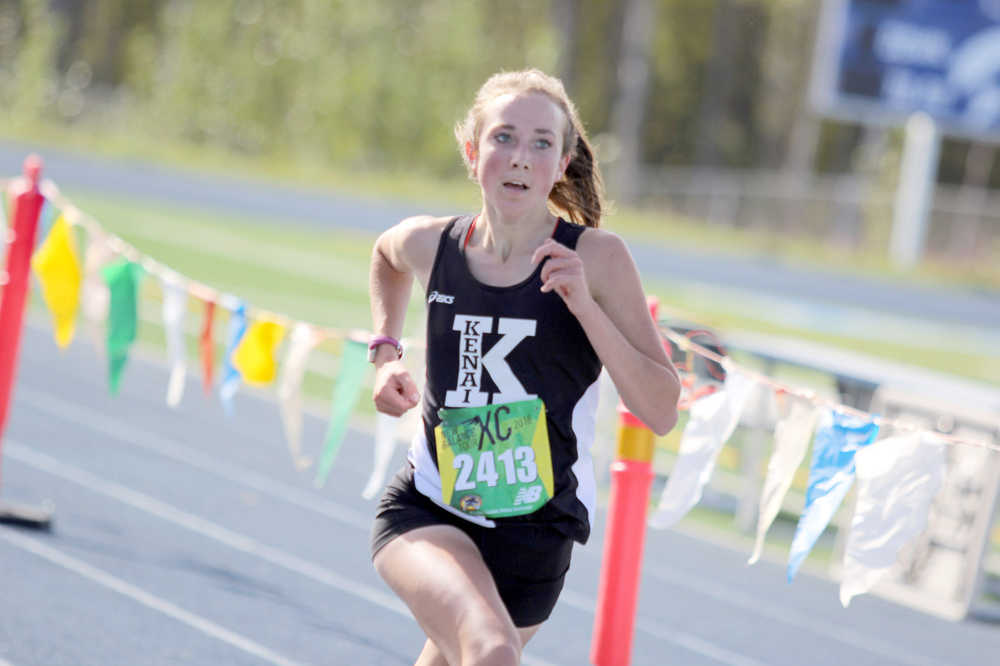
(174, 310)
(385, 443)
(713, 420)
(897, 480)
(95, 297)
(791, 441)
(293, 369)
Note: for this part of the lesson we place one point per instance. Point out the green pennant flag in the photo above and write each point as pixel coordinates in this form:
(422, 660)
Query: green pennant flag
(122, 278)
(346, 390)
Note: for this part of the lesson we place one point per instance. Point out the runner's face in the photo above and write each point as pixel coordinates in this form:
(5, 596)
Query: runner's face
(519, 156)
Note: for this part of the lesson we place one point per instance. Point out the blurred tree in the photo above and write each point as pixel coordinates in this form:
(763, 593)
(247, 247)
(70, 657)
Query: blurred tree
(379, 84)
(32, 85)
(566, 23)
(727, 131)
(629, 106)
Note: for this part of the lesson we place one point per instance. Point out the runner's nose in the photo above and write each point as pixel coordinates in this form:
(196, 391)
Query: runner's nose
(519, 160)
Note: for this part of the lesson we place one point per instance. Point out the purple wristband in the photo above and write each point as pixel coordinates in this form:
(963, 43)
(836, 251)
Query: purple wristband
(377, 341)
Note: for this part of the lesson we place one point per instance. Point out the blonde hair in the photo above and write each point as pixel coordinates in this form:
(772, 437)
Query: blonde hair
(580, 193)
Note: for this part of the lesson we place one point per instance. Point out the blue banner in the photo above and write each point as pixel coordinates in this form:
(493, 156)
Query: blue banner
(886, 59)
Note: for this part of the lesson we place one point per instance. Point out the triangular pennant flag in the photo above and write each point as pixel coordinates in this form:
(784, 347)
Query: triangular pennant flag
(713, 420)
(206, 346)
(230, 374)
(897, 480)
(385, 444)
(94, 295)
(174, 311)
(122, 279)
(293, 368)
(353, 365)
(58, 270)
(254, 357)
(791, 441)
(830, 476)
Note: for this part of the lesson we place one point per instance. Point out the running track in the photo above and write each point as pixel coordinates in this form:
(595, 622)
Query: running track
(187, 537)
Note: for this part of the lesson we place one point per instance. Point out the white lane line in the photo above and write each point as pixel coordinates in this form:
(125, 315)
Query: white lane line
(245, 544)
(106, 425)
(759, 607)
(213, 531)
(685, 640)
(202, 526)
(141, 596)
(111, 427)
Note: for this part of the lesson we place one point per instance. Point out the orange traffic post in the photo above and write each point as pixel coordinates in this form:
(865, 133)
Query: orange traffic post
(624, 536)
(26, 205)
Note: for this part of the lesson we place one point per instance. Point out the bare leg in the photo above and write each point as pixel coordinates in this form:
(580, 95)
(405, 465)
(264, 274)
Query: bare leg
(438, 572)
(431, 656)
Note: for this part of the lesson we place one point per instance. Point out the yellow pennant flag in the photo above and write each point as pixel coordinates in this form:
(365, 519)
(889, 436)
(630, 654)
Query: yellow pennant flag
(58, 270)
(254, 357)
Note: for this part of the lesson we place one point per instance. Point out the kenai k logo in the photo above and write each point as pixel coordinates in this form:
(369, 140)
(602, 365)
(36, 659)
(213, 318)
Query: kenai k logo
(435, 296)
(472, 361)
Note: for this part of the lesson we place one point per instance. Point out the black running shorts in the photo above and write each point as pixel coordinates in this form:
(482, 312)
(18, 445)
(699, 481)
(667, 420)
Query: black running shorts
(528, 560)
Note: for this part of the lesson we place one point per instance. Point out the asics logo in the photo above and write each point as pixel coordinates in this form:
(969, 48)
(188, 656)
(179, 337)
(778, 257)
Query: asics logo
(437, 297)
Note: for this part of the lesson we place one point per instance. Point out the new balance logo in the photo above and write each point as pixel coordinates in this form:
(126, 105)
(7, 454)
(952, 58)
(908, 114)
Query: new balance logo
(437, 297)
(528, 495)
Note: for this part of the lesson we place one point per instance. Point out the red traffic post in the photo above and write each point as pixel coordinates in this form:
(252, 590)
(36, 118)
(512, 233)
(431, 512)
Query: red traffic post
(26, 205)
(624, 537)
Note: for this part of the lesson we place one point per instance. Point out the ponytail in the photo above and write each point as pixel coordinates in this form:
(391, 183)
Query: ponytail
(580, 193)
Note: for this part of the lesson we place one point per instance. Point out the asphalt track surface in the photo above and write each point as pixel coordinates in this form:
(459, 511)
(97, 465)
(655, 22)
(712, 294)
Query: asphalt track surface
(823, 298)
(186, 536)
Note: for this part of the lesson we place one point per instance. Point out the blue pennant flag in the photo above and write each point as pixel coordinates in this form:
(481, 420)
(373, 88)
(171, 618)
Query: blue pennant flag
(830, 476)
(230, 375)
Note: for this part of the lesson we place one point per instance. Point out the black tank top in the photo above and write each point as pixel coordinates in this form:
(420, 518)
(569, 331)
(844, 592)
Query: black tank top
(494, 345)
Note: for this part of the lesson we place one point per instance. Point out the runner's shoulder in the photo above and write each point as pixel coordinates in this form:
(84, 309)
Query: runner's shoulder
(415, 239)
(599, 245)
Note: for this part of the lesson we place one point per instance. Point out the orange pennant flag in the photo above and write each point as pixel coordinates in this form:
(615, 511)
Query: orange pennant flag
(207, 346)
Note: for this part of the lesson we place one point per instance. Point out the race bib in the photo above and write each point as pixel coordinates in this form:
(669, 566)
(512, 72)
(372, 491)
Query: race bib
(495, 460)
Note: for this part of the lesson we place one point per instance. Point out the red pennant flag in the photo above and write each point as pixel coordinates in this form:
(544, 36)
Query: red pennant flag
(208, 346)
(26, 203)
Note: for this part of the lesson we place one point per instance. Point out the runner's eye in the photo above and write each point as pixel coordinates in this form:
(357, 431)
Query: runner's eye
(502, 137)
(542, 143)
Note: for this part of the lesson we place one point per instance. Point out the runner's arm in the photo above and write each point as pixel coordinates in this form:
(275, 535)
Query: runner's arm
(617, 323)
(400, 253)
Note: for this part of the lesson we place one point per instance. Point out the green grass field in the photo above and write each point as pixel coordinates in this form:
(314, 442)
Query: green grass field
(321, 276)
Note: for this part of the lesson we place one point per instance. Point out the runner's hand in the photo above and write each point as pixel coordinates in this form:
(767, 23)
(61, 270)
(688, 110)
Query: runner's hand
(564, 274)
(395, 392)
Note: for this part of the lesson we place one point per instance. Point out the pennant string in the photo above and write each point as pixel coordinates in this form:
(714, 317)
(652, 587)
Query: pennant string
(204, 292)
(685, 343)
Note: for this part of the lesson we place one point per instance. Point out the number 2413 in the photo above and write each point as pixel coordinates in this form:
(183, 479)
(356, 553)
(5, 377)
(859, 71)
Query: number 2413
(518, 466)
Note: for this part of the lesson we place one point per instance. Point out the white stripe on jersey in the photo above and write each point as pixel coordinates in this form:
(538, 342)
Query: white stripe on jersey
(584, 423)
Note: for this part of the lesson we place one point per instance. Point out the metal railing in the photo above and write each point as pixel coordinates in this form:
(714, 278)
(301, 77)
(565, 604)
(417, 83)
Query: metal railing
(851, 210)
